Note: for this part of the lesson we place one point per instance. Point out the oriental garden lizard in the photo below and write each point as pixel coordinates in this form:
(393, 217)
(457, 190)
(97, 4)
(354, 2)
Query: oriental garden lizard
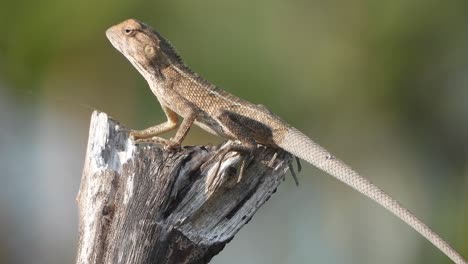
(182, 92)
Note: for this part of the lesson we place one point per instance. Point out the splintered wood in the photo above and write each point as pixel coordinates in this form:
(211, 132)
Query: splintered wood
(142, 204)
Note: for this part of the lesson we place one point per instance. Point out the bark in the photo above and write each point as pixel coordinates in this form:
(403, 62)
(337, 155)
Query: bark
(143, 204)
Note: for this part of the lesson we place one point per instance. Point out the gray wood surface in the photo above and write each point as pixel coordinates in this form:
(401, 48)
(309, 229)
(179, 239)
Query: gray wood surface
(142, 204)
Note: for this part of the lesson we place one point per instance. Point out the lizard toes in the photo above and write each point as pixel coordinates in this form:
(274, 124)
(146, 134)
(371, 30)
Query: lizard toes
(171, 146)
(134, 136)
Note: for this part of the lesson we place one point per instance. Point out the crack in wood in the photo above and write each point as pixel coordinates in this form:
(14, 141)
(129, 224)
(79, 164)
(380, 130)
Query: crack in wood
(141, 204)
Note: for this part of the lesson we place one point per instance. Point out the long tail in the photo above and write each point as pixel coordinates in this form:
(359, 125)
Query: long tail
(303, 147)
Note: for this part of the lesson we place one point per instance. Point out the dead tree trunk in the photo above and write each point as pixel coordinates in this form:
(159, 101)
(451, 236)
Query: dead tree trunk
(142, 204)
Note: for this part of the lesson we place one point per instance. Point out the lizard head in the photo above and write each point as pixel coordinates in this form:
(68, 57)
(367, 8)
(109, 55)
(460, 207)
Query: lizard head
(145, 48)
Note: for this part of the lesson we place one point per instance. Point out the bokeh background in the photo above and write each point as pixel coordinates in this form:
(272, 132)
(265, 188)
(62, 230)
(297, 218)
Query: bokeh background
(382, 84)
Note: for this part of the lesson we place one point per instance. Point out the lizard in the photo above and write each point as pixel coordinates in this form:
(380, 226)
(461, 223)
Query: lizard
(182, 92)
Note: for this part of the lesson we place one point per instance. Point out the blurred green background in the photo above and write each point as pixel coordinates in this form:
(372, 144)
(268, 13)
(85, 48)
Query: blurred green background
(382, 84)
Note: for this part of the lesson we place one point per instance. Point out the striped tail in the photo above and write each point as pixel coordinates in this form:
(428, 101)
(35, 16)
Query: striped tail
(303, 147)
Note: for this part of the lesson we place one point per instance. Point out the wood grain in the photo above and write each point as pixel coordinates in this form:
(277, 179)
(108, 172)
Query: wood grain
(142, 204)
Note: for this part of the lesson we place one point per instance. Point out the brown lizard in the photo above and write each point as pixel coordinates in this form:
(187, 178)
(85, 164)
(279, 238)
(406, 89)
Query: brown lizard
(182, 92)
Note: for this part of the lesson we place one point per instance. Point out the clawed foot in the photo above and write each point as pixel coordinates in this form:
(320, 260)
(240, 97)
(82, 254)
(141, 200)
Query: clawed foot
(241, 166)
(246, 159)
(167, 144)
(290, 165)
(291, 169)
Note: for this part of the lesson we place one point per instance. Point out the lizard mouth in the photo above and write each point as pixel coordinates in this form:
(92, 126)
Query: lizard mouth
(109, 33)
(111, 36)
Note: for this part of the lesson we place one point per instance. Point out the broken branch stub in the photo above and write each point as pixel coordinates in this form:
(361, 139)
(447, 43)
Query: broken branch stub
(142, 204)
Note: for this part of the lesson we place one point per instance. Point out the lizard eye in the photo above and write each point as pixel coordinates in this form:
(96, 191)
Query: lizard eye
(128, 31)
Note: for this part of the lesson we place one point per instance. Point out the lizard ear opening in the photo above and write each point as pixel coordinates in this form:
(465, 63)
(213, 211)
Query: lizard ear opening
(149, 50)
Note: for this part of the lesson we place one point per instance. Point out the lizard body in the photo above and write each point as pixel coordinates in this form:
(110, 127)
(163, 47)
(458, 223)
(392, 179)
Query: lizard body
(182, 92)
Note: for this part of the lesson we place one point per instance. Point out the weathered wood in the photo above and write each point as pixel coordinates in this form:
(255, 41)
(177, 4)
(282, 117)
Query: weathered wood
(142, 204)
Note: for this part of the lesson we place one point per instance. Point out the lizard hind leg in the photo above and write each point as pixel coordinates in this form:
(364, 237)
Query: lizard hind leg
(245, 148)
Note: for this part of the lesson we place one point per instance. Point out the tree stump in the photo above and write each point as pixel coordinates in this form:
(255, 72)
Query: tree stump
(142, 204)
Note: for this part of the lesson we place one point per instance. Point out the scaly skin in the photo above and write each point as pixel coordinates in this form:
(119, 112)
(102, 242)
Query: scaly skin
(182, 92)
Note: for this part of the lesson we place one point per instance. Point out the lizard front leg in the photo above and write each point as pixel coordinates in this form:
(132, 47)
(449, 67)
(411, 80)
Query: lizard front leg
(151, 134)
(176, 141)
(184, 128)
